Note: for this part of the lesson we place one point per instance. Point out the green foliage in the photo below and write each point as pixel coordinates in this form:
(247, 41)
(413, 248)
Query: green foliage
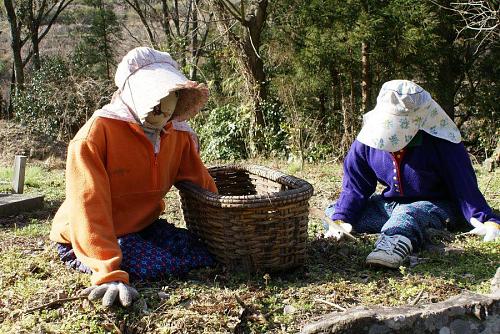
(94, 54)
(224, 131)
(275, 136)
(315, 65)
(223, 134)
(479, 108)
(55, 102)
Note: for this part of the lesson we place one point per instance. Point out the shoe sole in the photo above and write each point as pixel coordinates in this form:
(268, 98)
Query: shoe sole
(376, 262)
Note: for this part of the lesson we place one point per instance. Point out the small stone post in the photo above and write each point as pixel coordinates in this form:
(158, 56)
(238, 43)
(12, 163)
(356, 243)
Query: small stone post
(18, 179)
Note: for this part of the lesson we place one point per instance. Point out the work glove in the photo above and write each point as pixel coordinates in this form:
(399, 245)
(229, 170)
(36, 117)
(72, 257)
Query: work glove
(109, 291)
(336, 229)
(490, 230)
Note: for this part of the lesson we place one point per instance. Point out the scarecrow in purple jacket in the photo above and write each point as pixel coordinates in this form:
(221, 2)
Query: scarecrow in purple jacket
(411, 146)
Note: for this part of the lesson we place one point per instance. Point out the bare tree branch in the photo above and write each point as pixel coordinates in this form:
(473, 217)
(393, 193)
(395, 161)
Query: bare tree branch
(235, 13)
(142, 16)
(62, 6)
(483, 17)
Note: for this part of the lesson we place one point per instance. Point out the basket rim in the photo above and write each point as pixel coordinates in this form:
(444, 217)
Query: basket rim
(302, 190)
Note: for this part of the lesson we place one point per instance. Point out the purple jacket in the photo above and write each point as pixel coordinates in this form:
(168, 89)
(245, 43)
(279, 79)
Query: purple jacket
(435, 169)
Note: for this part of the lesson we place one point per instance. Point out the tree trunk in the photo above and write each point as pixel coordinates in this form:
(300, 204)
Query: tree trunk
(15, 44)
(194, 42)
(137, 8)
(33, 28)
(365, 77)
(450, 65)
(107, 53)
(345, 141)
(248, 42)
(449, 72)
(254, 63)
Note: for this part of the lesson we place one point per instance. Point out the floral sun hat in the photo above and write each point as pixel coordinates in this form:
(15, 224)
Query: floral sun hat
(403, 108)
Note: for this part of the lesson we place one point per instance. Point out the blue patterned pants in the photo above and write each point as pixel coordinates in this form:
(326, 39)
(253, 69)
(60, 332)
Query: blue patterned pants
(158, 251)
(409, 219)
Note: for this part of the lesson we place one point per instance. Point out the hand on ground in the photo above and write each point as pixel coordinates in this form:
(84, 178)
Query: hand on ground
(109, 293)
(338, 229)
(489, 230)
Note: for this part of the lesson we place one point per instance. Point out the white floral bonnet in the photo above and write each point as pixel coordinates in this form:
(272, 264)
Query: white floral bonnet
(403, 108)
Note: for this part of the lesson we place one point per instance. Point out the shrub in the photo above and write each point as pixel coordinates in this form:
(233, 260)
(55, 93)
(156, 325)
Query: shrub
(55, 102)
(223, 132)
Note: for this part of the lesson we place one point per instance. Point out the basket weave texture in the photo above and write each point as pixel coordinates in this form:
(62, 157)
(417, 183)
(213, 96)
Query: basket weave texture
(257, 221)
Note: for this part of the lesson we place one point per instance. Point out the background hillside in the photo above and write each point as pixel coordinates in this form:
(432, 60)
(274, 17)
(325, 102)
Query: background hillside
(288, 78)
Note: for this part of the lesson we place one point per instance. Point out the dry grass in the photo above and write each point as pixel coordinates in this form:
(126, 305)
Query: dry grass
(217, 301)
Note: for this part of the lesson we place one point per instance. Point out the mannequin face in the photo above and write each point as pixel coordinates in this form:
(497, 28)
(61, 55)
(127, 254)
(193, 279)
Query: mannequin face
(162, 112)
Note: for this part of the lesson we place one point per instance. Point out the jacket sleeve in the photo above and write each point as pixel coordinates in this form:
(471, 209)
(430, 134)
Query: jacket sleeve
(91, 225)
(460, 179)
(358, 184)
(192, 168)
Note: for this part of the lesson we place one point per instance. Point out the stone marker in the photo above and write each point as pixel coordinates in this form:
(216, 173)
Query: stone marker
(18, 179)
(17, 202)
(11, 204)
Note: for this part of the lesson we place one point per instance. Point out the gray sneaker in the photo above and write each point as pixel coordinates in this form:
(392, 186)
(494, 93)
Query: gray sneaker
(390, 251)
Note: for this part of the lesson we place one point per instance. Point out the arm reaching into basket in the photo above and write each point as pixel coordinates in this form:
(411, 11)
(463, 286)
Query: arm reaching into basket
(193, 170)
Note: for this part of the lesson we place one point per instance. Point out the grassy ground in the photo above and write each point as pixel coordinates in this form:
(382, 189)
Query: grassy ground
(333, 279)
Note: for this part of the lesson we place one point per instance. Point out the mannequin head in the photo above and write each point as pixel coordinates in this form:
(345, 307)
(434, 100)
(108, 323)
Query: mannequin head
(161, 113)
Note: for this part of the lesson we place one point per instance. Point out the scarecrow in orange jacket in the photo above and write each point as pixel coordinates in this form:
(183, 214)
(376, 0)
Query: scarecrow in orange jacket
(120, 165)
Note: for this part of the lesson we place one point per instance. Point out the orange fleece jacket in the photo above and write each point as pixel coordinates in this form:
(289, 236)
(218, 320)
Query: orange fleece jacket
(115, 185)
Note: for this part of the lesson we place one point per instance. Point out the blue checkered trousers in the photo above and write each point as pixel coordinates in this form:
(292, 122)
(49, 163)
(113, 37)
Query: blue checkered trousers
(408, 219)
(158, 251)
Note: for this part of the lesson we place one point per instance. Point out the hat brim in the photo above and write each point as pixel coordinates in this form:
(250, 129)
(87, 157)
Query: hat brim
(439, 124)
(383, 129)
(147, 86)
(386, 131)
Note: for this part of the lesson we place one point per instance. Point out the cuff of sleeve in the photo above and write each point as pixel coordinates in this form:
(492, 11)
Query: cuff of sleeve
(492, 224)
(341, 217)
(114, 276)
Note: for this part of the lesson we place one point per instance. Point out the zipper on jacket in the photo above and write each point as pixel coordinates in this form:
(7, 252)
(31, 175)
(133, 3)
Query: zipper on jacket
(154, 163)
(155, 170)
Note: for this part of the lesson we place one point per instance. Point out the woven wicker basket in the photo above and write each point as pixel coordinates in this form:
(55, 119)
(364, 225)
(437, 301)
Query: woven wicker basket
(257, 222)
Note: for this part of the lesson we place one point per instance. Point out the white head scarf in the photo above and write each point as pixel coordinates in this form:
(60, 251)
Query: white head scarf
(144, 77)
(403, 108)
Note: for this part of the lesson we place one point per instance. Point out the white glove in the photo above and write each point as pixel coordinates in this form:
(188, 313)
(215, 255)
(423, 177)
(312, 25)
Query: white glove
(490, 230)
(108, 292)
(337, 229)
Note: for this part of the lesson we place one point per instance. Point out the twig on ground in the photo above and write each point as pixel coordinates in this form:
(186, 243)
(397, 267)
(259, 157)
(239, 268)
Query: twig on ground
(118, 330)
(53, 303)
(487, 186)
(338, 307)
(417, 298)
(249, 312)
(242, 304)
